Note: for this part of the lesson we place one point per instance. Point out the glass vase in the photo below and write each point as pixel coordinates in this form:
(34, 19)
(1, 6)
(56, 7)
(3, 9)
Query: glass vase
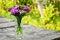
(19, 36)
(19, 32)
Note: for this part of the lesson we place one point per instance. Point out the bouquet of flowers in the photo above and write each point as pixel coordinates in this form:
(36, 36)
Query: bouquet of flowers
(19, 12)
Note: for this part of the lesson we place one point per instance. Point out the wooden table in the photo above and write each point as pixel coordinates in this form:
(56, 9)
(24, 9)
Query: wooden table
(7, 31)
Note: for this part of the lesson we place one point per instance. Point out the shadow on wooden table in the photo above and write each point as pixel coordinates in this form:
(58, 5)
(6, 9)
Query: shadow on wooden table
(57, 38)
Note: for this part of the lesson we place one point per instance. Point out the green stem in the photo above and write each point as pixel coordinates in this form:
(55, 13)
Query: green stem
(19, 18)
(19, 28)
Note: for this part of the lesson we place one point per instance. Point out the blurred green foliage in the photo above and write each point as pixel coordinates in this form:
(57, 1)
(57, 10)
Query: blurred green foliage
(4, 4)
(51, 12)
(51, 17)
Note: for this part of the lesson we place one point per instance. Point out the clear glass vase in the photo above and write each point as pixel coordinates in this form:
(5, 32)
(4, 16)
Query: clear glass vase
(18, 29)
(18, 36)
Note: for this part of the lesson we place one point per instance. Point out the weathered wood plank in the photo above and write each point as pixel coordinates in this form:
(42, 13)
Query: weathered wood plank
(7, 25)
(29, 32)
(2, 20)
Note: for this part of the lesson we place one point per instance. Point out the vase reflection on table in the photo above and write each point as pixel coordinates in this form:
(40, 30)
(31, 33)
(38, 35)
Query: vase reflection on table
(19, 11)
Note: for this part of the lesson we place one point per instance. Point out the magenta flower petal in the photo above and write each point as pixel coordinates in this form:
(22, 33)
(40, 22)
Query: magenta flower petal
(14, 10)
(26, 8)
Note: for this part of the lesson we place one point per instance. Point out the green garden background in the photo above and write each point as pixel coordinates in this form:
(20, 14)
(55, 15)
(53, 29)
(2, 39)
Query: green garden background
(50, 11)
